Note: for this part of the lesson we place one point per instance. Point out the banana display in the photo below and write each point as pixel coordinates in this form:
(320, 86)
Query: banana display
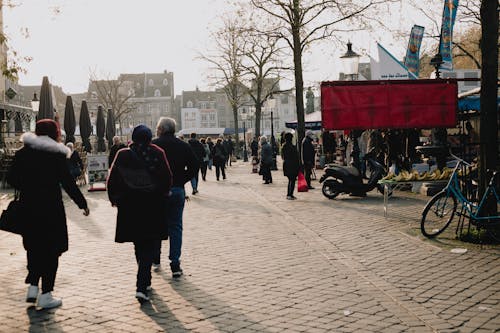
(405, 176)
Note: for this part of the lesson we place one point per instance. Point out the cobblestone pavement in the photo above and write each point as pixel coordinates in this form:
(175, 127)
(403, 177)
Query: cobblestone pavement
(255, 262)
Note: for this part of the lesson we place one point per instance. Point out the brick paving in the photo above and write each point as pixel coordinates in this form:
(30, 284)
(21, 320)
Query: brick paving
(255, 262)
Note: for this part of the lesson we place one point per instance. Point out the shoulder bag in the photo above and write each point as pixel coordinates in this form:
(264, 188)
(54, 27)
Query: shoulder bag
(12, 219)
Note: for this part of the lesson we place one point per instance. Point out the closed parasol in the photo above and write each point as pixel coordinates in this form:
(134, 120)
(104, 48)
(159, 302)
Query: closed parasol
(85, 127)
(100, 127)
(110, 127)
(46, 107)
(69, 120)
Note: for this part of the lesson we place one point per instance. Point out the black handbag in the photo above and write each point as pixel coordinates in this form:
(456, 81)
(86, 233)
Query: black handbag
(12, 219)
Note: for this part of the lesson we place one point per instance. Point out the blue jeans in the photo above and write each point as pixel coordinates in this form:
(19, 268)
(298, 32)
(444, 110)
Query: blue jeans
(174, 208)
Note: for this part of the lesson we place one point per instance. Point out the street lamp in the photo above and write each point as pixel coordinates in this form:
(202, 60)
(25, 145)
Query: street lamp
(436, 62)
(272, 105)
(244, 118)
(350, 62)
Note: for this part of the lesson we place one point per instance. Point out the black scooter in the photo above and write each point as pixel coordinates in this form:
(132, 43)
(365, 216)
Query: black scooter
(339, 179)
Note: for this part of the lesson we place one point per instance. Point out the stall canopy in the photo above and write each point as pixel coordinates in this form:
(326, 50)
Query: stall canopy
(389, 104)
(471, 103)
(312, 121)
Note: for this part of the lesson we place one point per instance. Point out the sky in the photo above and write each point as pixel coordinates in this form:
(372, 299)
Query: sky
(110, 37)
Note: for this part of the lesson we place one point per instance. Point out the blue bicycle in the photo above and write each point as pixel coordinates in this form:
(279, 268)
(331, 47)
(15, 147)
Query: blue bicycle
(442, 207)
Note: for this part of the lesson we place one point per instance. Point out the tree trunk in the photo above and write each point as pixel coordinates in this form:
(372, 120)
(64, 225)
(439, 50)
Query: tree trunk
(299, 88)
(488, 103)
(258, 114)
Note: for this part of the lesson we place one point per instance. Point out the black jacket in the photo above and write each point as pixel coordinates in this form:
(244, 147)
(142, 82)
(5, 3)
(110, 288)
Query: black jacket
(291, 161)
(307, 151)
(198, 149)
(181, 158)
(112, 152)
(38, 171)
(140, 214)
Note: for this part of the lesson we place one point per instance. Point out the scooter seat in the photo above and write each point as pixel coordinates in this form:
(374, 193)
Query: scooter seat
(352, 170)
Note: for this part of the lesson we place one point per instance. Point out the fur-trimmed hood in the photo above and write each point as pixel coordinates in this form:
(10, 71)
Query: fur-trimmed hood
(44, 143)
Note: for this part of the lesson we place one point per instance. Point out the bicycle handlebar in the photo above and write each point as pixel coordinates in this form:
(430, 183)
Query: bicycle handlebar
(459, 159)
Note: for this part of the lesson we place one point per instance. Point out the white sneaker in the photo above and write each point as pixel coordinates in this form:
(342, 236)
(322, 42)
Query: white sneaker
(156, 267)
(46, 301)
(141, 297)
(32, 294)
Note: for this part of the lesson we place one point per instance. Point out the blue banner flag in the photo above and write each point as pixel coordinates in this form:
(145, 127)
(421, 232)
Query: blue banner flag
(446, 39)
(412, 59)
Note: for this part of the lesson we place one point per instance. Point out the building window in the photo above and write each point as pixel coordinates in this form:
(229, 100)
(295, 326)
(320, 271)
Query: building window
(138, 85)
(151, 82)
(94, 95)
(189, 104)
(203, 105)
(165, 82)
(131, 92)
(157, 93)
(284, 99)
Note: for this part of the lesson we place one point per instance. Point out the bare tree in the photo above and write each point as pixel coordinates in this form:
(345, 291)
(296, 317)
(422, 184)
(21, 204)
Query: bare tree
(226, 63)
(113, 94)
(304, 22)
(262, 67)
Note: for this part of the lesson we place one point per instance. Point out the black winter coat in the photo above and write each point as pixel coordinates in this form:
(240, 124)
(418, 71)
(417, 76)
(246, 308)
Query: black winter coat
(220, 154)
(141, 216)
(291, 161)
(38, 171)
(308, 151)
(198, 149)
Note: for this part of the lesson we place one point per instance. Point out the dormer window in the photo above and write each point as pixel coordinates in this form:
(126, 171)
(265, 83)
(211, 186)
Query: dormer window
(157, 93)
(165, 82)
(189, 104)
(138, 85)
(131, 92)
(151, 82)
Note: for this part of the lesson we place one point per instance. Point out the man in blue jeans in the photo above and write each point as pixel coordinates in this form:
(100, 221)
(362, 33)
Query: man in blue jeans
(184, 165)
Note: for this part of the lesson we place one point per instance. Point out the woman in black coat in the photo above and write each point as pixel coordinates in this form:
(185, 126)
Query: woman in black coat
(220, 154)
(38, 171)
(291, 164)
(139, 180)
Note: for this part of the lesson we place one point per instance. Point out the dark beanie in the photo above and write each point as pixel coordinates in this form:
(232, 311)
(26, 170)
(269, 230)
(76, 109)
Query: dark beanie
(49, 128)
(142, 134)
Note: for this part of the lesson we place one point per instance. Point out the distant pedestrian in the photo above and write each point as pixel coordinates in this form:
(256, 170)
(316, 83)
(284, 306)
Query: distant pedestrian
(291, 164)
(206, 158)
(228, 147)
(75, 163)
(199, 152)
(211, 157)
(308, 156)
(266, 160)
(219, 159)
(39, 170)
(138, 183)
(117, 145)
(254, 146)
(184, 166)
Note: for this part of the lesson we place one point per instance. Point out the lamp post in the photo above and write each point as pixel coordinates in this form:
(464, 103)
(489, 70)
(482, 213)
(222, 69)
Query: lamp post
(350, 64)
(272, 105)
(436, 62)
(35, 105)
(244, 118)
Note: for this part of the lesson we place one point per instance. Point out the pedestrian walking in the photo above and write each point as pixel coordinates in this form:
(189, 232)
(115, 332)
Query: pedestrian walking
(266, 160)
(291, 164)
(138, 183)
(206, 158)
(199, 152)
(254, 146)
(117, 145)
(38, 172)
(74, 162)
(184, 166)
(211, 157)
(219, 159)
(228, 148)
(308, 157)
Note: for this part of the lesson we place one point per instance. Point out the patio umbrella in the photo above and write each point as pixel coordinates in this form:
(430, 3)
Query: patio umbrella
(69, 120)
(46, 108)
(85, 127)
(100, 127)
(110, 127)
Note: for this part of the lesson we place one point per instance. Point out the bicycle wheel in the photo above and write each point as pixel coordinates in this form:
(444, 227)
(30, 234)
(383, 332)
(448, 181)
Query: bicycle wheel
(438, 214)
